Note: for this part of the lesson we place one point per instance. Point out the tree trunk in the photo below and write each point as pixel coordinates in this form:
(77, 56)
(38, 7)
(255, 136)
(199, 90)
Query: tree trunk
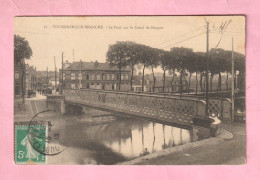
(22, 81)
(132, 74)
(211, 78)
(153, 79)
(172, 82)
(189, 84)
(163, 79)
(196, 83)
(201, 87)
(227, 81)
(119, 84)
(143, 80)
(219, 81)
(181, 82)
(204, 84)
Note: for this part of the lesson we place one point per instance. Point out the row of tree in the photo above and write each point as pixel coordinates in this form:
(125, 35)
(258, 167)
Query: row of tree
(22, 51)
(178, 59)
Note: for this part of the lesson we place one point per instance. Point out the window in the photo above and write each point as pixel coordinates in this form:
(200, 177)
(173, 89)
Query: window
(107, 76)
(87, 86)
(17, 89)
(98, 76)
(113, 77)
(122, 76)
(87, 76)
(63, 75)
(16, 75)
(80, 76)
(80, 86)
(72, 76)
(126, 76)
(92, 77)
(73, 86)
(103, 86)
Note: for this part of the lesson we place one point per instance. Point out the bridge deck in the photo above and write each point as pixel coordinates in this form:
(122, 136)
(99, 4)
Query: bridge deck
(165, 109)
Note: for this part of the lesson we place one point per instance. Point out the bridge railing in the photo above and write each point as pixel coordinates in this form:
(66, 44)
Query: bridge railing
(167, 109)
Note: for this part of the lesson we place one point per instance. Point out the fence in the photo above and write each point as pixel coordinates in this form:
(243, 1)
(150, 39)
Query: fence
(166, 109)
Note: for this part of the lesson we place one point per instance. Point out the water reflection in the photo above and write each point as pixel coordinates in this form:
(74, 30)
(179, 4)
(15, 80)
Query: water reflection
(120, 140)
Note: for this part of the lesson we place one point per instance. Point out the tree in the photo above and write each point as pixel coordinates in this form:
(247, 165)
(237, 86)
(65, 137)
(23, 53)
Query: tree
(133, 54)
(217, 64)
(165, 59)
(220, 57)
(239, 62)
(172, 67)
(200, 64)
(154, 61)
(145, 56)
(22, 51)
(191, 67)
(117, 55)
(183, 56)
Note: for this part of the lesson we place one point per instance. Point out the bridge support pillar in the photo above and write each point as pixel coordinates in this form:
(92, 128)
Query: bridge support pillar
(56, 103)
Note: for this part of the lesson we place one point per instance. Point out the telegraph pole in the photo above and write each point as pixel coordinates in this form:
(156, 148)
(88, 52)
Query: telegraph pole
(61, 73)
(233, 84)
(207, 72)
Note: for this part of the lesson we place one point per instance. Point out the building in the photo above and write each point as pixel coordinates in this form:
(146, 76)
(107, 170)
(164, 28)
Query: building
(95, 75)
(47, 79)
(18, 71)
(31, 78)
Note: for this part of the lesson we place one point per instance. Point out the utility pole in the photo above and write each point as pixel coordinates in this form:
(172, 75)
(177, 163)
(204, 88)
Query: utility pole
(61, 73)
(207, 72)
(55, 75)
(233, 84)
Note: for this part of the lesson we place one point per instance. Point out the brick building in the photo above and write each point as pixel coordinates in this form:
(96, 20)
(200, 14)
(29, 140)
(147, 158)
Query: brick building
(95, 75)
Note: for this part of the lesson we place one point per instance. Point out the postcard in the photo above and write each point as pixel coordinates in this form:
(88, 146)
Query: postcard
(129, 90)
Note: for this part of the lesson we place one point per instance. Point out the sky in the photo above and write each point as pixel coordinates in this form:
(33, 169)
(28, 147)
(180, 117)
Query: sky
(48, 38)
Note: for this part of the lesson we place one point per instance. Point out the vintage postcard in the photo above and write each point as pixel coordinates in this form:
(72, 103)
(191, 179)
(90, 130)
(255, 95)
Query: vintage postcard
(128, 90)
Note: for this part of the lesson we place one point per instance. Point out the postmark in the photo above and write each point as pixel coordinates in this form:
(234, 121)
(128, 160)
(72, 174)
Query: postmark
(52, 136)
(37, 139)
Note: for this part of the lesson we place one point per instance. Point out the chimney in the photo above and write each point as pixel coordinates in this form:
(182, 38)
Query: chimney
(96, 64)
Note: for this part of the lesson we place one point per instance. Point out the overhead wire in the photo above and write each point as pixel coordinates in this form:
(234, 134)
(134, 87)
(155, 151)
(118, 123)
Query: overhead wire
(184, 40)
(176, 37)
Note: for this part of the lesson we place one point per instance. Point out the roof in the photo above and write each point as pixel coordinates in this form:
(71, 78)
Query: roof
(94, 66)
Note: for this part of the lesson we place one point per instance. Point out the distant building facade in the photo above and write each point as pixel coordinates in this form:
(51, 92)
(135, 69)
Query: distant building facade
(47, 79)
(31, 78)
(94, 75)
(18, 80)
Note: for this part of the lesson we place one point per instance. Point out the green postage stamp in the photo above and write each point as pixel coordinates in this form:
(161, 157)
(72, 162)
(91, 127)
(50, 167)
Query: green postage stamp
(28, 141)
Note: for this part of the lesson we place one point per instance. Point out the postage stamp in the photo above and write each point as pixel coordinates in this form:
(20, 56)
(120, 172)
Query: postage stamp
(25, 149)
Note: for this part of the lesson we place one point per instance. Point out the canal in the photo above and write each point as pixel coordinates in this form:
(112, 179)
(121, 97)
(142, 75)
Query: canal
(98, 137)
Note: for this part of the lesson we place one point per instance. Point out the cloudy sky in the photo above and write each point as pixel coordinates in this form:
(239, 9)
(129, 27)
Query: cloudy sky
(47, 38)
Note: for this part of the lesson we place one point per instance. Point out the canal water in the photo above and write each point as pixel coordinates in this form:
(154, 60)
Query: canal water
(112, 139)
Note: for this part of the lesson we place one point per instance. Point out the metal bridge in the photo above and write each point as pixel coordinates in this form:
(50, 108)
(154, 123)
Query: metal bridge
(166, 109)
